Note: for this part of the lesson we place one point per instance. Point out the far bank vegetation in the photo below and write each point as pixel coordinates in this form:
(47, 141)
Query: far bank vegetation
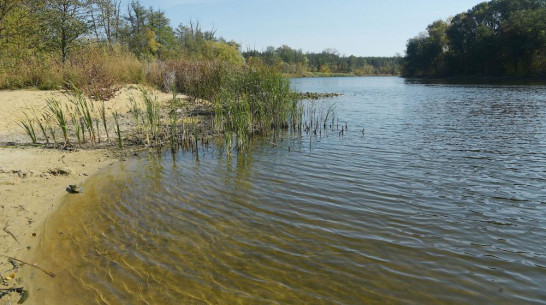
(499, 38)
(294, 62)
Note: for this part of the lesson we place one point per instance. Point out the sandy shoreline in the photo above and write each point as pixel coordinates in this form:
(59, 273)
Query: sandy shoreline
(33, 180)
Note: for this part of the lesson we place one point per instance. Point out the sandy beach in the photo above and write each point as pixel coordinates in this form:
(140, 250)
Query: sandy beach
(33, 179)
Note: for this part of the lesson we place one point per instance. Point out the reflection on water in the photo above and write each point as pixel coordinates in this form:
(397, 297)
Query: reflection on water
(440, 201)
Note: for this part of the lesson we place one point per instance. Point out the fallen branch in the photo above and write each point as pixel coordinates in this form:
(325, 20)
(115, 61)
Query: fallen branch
(7, 231)
(32, 265)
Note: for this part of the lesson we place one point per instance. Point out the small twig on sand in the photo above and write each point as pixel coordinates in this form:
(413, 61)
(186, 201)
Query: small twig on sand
(32, 265)
(8, 231)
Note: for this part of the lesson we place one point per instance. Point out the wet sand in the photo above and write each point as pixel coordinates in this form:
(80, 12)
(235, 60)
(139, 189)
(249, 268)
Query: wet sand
(33, 179)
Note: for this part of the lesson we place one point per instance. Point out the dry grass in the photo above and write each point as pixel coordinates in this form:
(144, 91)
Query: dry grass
(97, 71)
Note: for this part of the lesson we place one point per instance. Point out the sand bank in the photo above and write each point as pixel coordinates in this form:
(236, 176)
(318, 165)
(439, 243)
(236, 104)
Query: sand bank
(33, 179)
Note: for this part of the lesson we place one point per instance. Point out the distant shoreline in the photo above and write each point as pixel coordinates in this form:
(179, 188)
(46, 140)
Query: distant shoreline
(479, 79)
(321, 74)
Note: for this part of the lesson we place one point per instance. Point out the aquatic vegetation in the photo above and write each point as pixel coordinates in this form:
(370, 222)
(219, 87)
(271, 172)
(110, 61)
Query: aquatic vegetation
(234, 103)
(245, 100)
(315, 95)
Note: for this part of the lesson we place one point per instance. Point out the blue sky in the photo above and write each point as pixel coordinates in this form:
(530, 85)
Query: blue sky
(357, 27)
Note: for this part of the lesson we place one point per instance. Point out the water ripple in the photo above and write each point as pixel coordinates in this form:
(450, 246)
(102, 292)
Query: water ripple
(441, 201)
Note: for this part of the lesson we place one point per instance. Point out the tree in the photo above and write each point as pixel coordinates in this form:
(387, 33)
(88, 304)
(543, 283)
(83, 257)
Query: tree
(193, 39)
(525, 36)
(223, 52)
(66, 22)
(6, 6)
(164, 34)
(19, 26)
(500, 37)
(106, 19)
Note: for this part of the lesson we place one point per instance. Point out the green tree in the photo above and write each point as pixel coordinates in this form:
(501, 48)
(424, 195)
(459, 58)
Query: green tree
(500, 37)
(225, 52)
(525, 33)
(66, 22)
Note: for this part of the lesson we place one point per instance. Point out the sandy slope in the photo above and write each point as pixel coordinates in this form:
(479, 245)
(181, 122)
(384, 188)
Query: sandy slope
(33, 180)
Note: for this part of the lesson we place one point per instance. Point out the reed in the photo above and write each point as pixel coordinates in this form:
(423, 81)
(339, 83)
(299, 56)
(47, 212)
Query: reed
(136, 111)
(254, 100)
(53, 135)
(59, 114)
(115, 115)
(28, 125)
(245, 101)
(102, 113)
(173, 117)
(330, 112)
(151, 114)
(42, 124)
(77, 127)
(84, 108)
(173, 127)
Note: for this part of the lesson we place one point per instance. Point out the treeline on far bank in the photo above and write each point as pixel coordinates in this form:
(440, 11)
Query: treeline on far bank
(499, 38)
(294, 62)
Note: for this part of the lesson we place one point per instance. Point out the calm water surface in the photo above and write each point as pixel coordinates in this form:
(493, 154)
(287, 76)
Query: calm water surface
(435, 195)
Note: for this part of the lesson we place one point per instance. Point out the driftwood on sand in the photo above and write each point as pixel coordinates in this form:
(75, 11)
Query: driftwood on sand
(31, 265)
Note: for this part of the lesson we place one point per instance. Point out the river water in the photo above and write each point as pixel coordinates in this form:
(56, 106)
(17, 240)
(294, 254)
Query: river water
(436, 194)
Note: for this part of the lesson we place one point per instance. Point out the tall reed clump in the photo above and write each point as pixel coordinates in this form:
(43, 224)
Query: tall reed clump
(78, 117)
(254, 100)
(247, 100)
(147, 118)
(151, 116)
(84, 110)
